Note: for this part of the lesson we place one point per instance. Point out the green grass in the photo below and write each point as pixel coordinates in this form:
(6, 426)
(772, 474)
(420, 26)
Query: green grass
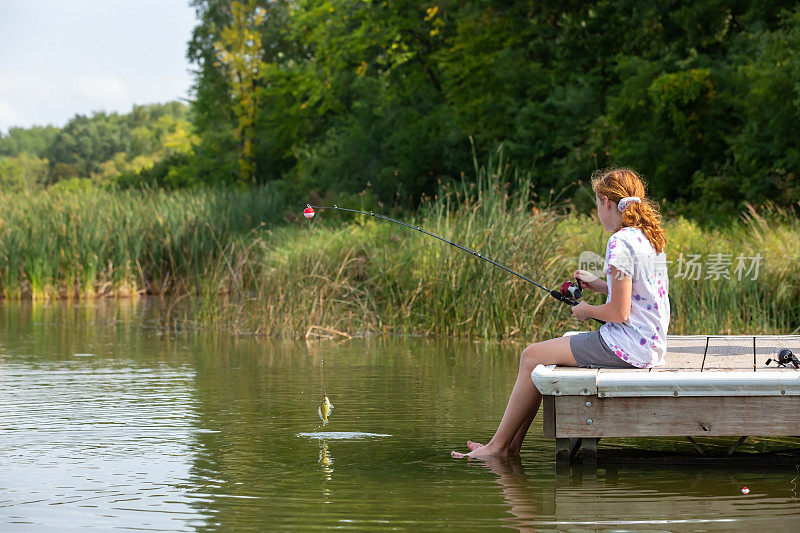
(372, 276)
(223, 269)
(61, 244)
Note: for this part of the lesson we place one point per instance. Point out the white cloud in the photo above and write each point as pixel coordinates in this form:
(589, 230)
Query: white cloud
(9, 116)
(105, 92)
(63, 58)
(38, 96)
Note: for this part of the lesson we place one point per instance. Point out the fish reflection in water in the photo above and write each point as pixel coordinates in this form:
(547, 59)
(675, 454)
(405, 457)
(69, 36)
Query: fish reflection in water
(325, 460)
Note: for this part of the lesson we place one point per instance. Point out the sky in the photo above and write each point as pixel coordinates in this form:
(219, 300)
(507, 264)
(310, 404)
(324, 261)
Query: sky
(63, 57)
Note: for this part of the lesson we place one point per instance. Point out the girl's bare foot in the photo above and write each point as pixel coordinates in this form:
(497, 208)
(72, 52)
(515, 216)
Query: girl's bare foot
(473, 445)
(482, 452)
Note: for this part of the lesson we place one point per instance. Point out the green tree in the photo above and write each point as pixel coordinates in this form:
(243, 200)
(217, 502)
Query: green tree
(343, 94)
(35, 141)
(239, 52)
(22, 171)
(765, 151)
(85, 142)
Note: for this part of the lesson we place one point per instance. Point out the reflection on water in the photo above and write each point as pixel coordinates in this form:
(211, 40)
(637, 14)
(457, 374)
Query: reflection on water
(652, 498)
(325, 460)
(108, 422)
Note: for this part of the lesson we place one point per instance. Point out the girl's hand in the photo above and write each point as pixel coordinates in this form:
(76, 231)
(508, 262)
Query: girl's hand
(590, 281)
(582, 311)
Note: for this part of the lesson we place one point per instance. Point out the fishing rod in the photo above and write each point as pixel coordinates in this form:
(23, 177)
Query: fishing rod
(569, 293)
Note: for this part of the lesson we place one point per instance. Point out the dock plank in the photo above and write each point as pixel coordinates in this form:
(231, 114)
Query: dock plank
(725, 352)
(731, 400)
(767, 347)
(681, 416)
(683, 353)
(730, 353)
(549, 416)
(680, 361)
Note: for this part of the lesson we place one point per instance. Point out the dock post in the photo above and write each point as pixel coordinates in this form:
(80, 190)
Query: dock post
(590, 450)
(562, 450)
(738, 442)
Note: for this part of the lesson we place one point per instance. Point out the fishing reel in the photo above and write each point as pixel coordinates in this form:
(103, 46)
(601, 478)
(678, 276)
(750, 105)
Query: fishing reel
(571, 289)
(785, 358)
(569, 292)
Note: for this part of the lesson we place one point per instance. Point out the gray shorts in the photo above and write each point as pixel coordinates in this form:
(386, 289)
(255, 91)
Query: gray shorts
(590, 351)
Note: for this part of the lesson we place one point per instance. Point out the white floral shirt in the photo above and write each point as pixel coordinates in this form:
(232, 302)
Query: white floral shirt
(640, 340)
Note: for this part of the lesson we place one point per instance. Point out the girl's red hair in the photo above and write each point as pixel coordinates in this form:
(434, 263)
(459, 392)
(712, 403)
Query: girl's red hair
(618, 183)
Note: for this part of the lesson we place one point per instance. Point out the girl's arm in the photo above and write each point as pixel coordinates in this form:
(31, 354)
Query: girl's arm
(617, 308)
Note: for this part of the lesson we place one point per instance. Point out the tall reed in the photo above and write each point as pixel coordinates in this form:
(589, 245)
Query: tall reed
(371, 276)
(56, 243)
(340, 275)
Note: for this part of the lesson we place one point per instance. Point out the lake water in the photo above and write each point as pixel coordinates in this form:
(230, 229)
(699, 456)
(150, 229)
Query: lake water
(108, 423)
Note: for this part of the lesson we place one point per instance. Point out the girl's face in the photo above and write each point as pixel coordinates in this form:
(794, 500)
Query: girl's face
(609, 214)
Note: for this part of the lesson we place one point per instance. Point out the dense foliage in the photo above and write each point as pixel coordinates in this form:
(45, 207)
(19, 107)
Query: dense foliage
(701, 96)
(222, 267)
(98, 148)
(384, 98)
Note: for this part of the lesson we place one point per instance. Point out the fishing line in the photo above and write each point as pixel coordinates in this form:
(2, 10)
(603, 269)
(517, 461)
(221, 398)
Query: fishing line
(556, 294)
(526, 270)
(324, 393)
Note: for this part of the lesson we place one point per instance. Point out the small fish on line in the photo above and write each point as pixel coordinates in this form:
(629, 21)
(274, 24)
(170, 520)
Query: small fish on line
(325, 409)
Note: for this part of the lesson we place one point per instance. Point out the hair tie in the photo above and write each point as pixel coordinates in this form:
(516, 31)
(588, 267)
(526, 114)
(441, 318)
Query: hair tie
(628, 200)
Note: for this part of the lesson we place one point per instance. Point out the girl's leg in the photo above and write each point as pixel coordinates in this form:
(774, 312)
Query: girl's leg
(525, 399)
(519, 436)
(516, 442)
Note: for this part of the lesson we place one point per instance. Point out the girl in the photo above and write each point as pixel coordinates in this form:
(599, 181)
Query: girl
(636, 311)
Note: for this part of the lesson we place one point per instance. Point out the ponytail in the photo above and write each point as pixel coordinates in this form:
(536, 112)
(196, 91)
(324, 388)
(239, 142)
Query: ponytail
(647, 218)
(619, 183)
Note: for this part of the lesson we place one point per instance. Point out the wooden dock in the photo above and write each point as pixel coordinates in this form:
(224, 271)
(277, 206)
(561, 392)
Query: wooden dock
(709, 386)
